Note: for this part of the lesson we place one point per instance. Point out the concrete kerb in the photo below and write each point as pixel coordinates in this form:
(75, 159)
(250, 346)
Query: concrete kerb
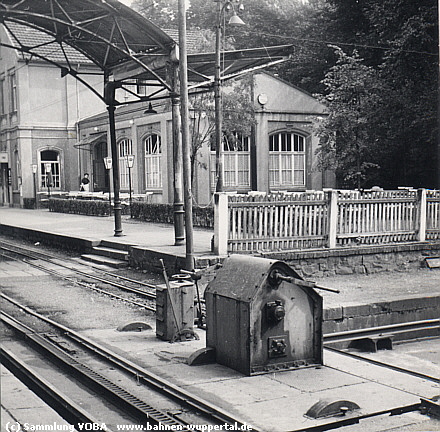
(65, 241)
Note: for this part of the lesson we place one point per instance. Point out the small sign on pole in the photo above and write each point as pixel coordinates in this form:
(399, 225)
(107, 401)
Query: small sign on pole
(108, 162)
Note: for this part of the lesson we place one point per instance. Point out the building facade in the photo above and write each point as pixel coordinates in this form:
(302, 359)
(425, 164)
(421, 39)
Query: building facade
(279, 154)
(53, 129)
(39, 112)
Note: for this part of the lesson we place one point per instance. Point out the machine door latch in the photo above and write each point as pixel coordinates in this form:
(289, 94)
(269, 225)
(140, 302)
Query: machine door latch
(277, 346)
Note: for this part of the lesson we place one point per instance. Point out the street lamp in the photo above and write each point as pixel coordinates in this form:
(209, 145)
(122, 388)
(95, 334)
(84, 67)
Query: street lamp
(108, 166)
(34, 174)
(129, 162)
(222, 7)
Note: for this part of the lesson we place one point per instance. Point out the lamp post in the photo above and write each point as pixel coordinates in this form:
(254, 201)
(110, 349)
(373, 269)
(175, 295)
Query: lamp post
(34, 175)
(48, 170)
(129, 161)
(108, 166)
(222, 7)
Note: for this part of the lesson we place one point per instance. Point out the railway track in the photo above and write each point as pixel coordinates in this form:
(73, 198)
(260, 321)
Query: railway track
(210, 413)
(85, 277)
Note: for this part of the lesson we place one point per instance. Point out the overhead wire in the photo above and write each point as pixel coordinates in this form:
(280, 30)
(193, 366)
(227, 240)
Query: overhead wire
(326, 42)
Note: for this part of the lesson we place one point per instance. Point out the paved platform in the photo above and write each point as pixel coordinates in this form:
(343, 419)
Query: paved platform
(159, 237)
(21, 409)
(279, 400)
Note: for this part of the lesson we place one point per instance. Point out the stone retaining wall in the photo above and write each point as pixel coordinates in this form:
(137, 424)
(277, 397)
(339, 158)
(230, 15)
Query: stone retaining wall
(344, 318)
(360, 260)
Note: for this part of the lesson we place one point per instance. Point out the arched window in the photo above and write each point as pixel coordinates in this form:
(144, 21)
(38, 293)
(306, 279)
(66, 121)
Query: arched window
(287, 161)
(125, 147)
(236, 161)
(50, 169)
(153, 171)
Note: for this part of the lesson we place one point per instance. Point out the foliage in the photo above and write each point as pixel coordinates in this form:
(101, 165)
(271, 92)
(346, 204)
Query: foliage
(164, 213)
(238, 115)
(398, 42)
(83, 207)
(352, 92)
(29, 203)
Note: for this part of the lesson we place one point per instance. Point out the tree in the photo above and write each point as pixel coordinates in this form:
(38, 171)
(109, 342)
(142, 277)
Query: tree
(238, 117)
(352, 92)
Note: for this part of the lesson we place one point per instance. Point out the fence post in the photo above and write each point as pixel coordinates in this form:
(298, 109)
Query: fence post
(221, 223)
(332, 212)
(421, 214)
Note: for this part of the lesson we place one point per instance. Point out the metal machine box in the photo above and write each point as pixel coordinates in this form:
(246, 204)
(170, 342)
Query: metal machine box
(175, 303)
(259, 320)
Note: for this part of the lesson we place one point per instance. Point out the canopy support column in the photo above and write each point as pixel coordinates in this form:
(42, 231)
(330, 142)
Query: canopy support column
(179, 212)
(109, 93)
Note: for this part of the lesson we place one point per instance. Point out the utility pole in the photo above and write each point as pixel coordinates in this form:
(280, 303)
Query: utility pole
(218, 101)
(438, 104)
(186, 147)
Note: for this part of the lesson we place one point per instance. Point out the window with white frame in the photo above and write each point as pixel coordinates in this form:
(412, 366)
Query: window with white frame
(153, 152)
(13, 92)
(236, 161)
(125, 148)
(2, 96)
(50, 169)
(287, 161)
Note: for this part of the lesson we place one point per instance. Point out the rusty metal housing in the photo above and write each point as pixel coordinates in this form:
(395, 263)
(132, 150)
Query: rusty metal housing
(260, 321)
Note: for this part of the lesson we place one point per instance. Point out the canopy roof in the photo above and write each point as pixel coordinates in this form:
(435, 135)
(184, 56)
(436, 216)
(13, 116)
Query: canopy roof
(123, 45)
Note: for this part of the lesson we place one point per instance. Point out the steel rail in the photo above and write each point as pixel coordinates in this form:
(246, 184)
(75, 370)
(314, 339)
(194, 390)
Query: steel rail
(70, 411)
(411, 326)
(87, 285)
(111, 391)
(386, 365)
(41, 256)
(152, 380)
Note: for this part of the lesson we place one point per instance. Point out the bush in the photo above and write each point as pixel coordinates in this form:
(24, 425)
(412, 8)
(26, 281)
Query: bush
(29, 203)
(79, 206)
(157, 213)
(164, 213)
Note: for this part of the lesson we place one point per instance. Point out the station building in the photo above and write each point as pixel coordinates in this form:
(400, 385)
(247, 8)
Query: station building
(39, 113)
(51, 122)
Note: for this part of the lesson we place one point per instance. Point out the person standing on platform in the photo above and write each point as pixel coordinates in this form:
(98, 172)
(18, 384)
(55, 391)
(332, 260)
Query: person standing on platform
(85, 183)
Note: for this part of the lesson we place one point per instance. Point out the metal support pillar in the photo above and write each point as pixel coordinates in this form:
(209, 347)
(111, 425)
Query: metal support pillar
(179, 213)
(186, 145)
(109, 90)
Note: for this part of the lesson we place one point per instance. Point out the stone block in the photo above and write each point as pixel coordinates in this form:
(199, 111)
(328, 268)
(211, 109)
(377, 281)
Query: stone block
(331, 314)
(356, 311)
(344, 270)
(310, 269)
(360, 269)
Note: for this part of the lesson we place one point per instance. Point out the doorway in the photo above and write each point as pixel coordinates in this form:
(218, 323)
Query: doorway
(100, 176)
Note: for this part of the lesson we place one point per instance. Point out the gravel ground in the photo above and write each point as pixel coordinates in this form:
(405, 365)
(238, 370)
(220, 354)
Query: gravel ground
(66, 302)
(85, 309)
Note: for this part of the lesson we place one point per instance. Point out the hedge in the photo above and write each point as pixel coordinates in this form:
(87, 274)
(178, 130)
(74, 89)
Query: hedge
(157, 213)
(164, 213)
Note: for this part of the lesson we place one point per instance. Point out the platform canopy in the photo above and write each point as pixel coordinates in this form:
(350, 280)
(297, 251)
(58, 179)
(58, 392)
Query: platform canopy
(123, 45)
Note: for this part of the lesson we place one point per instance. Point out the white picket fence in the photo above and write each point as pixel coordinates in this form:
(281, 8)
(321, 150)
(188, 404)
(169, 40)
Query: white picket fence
(308, 220)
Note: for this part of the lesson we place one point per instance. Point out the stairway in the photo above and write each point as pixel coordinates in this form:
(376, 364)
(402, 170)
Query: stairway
(109, 253)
